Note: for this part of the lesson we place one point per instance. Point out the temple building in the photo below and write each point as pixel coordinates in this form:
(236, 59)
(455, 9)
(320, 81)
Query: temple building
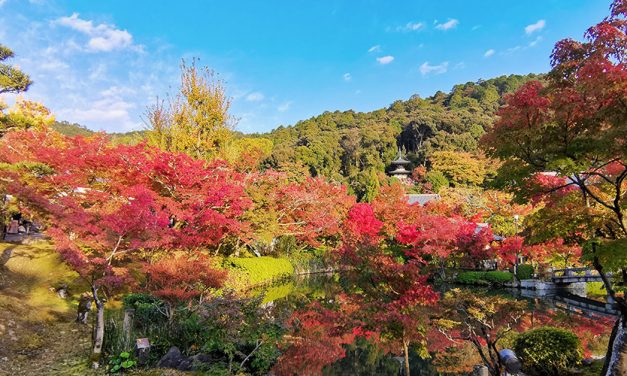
(399, 169)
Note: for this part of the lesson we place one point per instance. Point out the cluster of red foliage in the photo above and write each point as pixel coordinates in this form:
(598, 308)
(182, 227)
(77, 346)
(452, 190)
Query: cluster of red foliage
(183, 278)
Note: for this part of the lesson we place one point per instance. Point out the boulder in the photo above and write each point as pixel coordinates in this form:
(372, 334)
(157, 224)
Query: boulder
(200, 362)
(172, 359)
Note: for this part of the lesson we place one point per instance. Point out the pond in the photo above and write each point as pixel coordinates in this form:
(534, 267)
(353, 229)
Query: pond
(361, 359)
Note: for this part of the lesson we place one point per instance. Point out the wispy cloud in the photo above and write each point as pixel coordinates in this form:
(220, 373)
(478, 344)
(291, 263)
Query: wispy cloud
(519, 47)
(450, 24)
(427, 68)
(489, 53)
(375, 48)
(411, 26)
(284, 106)
(384, 60)
(530, 29)
(255, 97)
(2, 2)
(347, 77)
(102, 37)
(535, 41)
(110, 107)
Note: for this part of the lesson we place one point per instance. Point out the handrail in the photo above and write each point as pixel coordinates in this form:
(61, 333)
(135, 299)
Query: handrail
(569, 273)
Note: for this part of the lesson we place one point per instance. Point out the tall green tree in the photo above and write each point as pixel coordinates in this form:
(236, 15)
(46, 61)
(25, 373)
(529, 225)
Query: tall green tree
(197, 120)
(12, 79)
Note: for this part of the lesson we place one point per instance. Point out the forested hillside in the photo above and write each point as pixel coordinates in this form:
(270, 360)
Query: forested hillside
(355, 147)
(74, 129)
(351, 145)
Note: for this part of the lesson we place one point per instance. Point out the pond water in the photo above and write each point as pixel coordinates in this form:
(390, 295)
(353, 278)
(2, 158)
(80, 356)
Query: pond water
(296, 293)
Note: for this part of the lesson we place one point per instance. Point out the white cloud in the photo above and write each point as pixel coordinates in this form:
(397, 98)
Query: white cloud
(284, 106)
(489, 53)
(411, 26)
(347, 77)
(2, 2)
(535, 41)
(255, 97)
(427, 68)
(376, 48)
(385, 59)
(450, 24)
(530, 29)
(110, 108)
(102, 37)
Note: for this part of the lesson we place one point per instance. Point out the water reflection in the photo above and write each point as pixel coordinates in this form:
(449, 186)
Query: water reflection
(364, 358)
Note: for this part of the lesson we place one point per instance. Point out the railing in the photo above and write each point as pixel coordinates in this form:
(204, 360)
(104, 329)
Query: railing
(579, 273)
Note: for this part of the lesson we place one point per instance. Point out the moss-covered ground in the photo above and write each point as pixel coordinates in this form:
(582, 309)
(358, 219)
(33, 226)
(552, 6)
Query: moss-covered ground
(38, 335)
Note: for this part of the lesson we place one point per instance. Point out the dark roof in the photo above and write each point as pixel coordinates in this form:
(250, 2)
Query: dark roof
(482, 225)
(421, 198)
(400, 160)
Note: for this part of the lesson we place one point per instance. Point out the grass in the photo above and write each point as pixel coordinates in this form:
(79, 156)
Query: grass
(255, 271)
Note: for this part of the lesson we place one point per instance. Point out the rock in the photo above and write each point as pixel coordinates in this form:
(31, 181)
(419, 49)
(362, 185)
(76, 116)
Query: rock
(200, 362)
(185, 365)
(171, 359)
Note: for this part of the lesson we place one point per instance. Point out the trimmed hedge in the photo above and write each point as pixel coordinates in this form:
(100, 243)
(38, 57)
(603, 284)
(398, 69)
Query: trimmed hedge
(525, 271)
(260, 270)
(548, 351)
(484, 278)
(498, 277)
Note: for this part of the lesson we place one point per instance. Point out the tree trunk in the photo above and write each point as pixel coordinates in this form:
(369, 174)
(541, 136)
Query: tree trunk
(99, 330)
(616, 357)
(406, 353)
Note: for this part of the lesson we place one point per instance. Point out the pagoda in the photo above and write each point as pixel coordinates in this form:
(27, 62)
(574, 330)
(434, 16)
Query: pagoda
(398, 169)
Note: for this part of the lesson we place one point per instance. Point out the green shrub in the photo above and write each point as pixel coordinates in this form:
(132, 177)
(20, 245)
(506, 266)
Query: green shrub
(484, 278)
(437, 180)
(548, 351)
(471, 278)
(525, 271)
(498, 277)
(148, 308)
(260, 270)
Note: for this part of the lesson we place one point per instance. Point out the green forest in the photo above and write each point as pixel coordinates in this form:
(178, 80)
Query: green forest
(357, 147)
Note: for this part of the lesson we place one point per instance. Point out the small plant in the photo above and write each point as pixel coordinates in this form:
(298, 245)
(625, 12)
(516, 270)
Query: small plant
(121, 363)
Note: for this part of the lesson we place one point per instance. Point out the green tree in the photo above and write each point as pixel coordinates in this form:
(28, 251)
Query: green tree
(12, 80)
(197, 121)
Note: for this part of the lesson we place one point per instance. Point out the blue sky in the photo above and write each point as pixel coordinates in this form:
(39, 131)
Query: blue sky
(99, 63)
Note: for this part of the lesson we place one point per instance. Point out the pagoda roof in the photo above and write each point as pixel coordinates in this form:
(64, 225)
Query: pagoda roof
(400, 160)
(400, 170)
